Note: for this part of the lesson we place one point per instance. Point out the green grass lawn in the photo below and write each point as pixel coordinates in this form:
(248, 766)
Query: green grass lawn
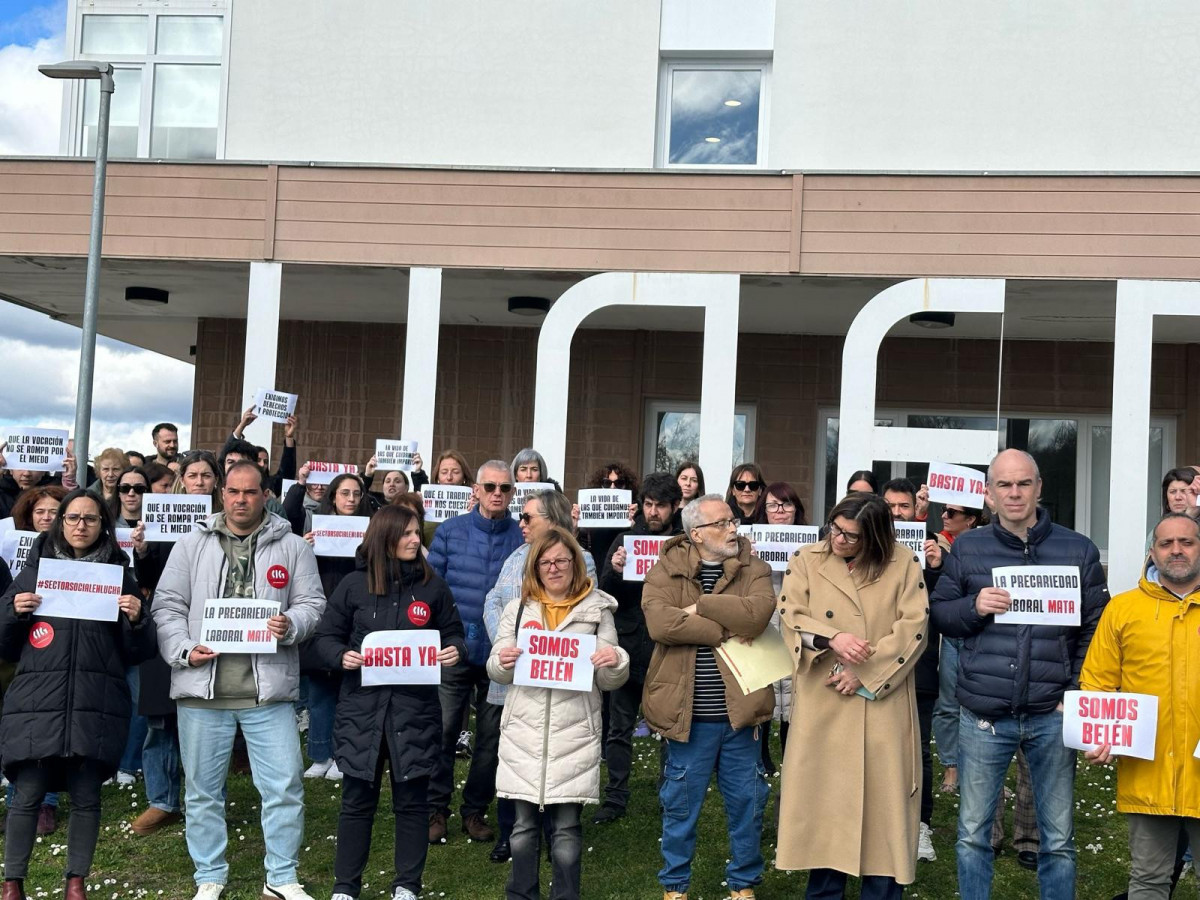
(620, 860)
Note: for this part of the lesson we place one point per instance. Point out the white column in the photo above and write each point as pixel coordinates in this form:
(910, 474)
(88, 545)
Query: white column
(716, 295)
(262, 342)
(421, 358)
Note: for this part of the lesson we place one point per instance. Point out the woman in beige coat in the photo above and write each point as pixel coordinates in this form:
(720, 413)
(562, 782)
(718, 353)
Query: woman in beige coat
(854, 612)
(550, 737)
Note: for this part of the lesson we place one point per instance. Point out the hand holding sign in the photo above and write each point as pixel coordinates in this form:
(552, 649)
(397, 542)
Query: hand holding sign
(410, 656)
(1110, 723)
(274, 405)
(553, 659)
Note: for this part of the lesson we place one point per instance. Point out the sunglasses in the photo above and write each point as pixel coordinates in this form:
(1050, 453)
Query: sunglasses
(490, 487)
(525, 518)
(131, 489)
(747, 485)
(952, 513)
(615, 482)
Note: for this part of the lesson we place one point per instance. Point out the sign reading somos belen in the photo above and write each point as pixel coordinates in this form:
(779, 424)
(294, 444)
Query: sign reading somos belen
(274, 405)
(401, 657)
(238, 626)
(394, 455)
(36, 449)
(641, 553)
(1041, 595)
(553, 659)
(444, 501)
(604, 508)
(1128, 723)
(168, 517)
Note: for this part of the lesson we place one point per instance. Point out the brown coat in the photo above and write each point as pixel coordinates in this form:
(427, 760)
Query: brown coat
(741, 603)
(852, 771)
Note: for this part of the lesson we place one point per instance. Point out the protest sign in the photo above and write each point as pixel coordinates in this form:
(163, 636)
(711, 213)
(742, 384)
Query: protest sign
(641, 553)
(1128, 723)
(523, 490)
(401, 657)
(1041, 595)
(604, 508)
(7, 524)
(274, 405)
(15, 547)
(763, 661)
(168, 517)
(36, 449)
(285, 486)
(338, 535)
(445, 501)
(79, 590)
(125, 541)
(955, 484)
(324, 472)
(394, 455)
(553, 659)
(912, 536)
(238, 626)
(775, 544)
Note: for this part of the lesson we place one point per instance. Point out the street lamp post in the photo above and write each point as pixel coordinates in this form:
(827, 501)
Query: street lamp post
(102, 72)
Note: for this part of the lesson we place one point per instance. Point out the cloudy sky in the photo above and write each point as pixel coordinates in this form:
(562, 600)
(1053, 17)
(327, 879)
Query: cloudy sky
(134, 388)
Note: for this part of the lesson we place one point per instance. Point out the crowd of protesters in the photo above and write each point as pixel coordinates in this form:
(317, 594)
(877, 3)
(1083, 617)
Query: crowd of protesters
(893, 652)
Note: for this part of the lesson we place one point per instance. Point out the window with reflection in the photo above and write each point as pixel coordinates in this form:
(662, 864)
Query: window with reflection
(186, 104)
(115, 35)
(713, 115)
(673, 435)
(124, 114)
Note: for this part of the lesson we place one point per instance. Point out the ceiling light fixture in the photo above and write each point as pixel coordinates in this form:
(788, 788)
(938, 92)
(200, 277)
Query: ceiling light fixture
(146, 296)
(528, 306)
(733, 102)
(932, 320)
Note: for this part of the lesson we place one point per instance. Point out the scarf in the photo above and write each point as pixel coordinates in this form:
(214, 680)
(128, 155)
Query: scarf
(557, 610)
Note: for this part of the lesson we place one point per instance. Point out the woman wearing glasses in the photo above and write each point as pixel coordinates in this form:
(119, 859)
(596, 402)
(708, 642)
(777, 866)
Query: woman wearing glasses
(550, 738)
(746, 494)
(854, 613)
(66, 713)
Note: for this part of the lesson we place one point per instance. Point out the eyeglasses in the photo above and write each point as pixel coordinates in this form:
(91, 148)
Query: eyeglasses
(747, 485)
(615, 482)
(490, 487)
(720, 524)
(773, 506)
(76, 518)
(551, 565)
(525, 518)
(848, 536)
(349, 495)
(131, 489)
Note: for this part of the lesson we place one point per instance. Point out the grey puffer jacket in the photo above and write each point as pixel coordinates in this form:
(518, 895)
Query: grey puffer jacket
(285, 569)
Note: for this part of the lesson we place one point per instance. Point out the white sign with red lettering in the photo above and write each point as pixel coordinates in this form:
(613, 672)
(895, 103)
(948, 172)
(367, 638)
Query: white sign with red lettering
(324, 472)
(168, 517)
(394, 455)
(445, 501)
(79, 590)
(125, 541)
(775, 544)
(554, 659)
(338, 535)
(401, 657)
(274, 405)
(522, 491)
(35, 449)
(959, 485)
(641, 553)
(604, 508)
(1128, 723)
(238, 626)
(1041, 595)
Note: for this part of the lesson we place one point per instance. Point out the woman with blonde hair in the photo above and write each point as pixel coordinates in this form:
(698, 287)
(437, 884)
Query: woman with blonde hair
(110, 463)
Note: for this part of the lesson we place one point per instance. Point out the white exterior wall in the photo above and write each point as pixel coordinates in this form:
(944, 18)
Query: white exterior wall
(529, 83)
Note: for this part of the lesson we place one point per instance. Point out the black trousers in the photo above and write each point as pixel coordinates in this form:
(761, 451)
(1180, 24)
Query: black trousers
(623, 706)
(829, 884)
(566, 851)
(360, 798)
(925, 705)
(31, 780)
(463, 686)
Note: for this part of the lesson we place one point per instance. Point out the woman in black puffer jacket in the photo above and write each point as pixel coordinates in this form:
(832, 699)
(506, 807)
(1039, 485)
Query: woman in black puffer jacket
(66, 713)
(393, 589)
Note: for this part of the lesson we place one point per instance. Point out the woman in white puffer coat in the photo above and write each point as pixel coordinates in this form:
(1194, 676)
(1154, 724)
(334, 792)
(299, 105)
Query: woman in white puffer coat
(550, 737)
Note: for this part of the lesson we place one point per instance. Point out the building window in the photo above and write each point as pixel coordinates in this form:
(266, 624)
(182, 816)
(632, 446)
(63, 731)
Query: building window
(124, 114)
(186, 100)
(673, 437)
(713, 114)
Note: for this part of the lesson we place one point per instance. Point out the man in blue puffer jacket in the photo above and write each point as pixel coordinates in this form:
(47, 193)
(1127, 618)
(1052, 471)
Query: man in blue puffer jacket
(468, 551)
(1011, 678)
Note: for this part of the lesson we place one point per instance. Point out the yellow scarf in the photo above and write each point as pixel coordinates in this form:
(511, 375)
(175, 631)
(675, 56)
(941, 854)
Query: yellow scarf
(557, 610)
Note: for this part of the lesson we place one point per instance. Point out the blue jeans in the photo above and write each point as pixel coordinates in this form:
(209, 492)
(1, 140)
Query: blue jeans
(131, 761)
(206, 741)
(945, 713)
(160, 765)
(736, 757)
(986, 747)
(10, 794)
(321, 695)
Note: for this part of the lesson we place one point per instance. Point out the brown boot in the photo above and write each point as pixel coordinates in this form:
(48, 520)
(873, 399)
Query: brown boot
(154, 819)
(47, 820)
(14, 889)
(477, 828)
(437, 827)
(76, 889)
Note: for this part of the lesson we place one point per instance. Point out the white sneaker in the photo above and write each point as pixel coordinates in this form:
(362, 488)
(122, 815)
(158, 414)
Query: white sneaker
(291, 891)
(334, 773)
(402, 893)
(126, 778)
(925, 849)
(210, 890)
(341, 897)
(318, 769)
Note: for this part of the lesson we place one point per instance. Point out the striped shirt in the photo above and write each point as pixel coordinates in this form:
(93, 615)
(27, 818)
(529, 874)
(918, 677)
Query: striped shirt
(708, 695)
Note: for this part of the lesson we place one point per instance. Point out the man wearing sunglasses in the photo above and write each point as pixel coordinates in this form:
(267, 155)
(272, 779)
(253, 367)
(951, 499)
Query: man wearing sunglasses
(469, 551)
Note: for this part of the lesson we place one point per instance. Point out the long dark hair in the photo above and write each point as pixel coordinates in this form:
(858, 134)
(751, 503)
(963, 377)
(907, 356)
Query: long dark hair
(106, 541)
(695, 466)
(1185, 474)
(599, 476)
(326, 507)
(759, 515)
(864, 475)
(874, 520)
(378, 549)
(114, 502)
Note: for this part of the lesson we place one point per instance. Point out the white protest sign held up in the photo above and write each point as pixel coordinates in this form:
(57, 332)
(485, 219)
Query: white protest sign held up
(1041, 595)
(912, 536)
(959, 485)
(775, 544)
(79, 590)
(338, 535)
(445, 501)
(1128, 723)
(36, 449)
(125, 541)
(641, 553)
(168, 517)
(604, 508)
(553, 659)
(401, 657)
(394, 455)
(522, 491)
(15, 547)
(238, 626)
(324, 472)
(274, 405)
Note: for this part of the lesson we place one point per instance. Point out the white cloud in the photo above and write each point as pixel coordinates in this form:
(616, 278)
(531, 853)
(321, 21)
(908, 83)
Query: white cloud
(30, 103)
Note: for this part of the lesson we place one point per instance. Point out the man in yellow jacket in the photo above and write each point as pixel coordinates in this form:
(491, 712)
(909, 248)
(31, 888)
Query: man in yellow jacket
(1148, 642)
